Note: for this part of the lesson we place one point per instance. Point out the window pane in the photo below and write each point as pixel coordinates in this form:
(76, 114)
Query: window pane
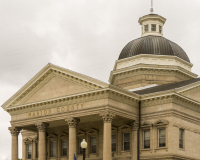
(180, 138)
(162, 137)
(93, 144)
(147, 134)
(147, 139)
(126, 141)
(146, 143)
(64, 148)
(36, 150)
(29, 150)
(113, 143)
(160, 29)
(153, 27)
(146, 28)
(126, 137)
(53, 149)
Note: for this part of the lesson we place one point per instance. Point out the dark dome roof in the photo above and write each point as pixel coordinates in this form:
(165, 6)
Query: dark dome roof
(153, 45)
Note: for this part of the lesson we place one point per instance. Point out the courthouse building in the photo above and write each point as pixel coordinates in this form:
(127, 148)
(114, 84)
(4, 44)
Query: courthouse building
(149, 110)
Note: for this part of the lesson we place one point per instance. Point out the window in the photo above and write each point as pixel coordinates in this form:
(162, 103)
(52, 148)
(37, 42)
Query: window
(146, 28)
(181, 138)
(36, 150)
(53, 149)
(147, 139)
(161, 140)
(29, 150)
(114, 143)
(160, 29)
(153, 27)
(126, 143)
(93, 145)
(64, 147)
(80, 149)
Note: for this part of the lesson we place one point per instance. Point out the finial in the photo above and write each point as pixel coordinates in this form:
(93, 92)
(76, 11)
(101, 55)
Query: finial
(151, 10)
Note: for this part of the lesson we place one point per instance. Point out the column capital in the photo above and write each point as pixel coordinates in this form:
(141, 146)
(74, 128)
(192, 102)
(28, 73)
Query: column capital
(41, 126)
(134, 125)
(14, 131)
(72, 122)
(107, 116)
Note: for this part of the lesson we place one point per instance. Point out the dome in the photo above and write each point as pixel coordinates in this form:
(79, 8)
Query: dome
(156, 45)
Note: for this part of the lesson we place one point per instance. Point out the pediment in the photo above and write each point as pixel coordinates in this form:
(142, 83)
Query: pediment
(53, 82)
(193, 93)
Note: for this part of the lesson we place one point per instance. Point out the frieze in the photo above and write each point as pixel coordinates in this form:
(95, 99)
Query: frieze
(55, 110)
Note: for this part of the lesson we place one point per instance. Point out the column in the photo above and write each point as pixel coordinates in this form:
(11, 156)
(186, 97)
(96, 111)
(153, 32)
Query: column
(41, 126)
(72, 123)
(134, 141)
(14, 132)
(107, 118)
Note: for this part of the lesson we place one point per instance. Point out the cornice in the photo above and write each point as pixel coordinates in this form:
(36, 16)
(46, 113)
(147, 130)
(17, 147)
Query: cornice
(190, 129)
(151, 69)
(151, 56)
(112, 93)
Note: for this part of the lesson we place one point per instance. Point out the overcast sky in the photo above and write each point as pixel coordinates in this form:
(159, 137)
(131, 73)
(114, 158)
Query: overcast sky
(85, 36)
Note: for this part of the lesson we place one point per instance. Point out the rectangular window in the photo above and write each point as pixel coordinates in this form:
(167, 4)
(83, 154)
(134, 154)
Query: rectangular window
(161, 133)
(80, 149)
(181, 138)
(113, 143)
(153, 27)
(160, 29)
(64, 148)
(36, 150)
(147, 139)
(93, 145)
(146, 28)
(53, 148)
(126, 141)
(29, 150)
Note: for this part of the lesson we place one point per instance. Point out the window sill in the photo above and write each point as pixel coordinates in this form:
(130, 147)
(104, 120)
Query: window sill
(125, 151)
(161, 148)
(182, 149)
(146, 149)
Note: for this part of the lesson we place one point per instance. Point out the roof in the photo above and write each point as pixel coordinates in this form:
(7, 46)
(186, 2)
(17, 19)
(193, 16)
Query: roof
(166, 87)
(156, 45)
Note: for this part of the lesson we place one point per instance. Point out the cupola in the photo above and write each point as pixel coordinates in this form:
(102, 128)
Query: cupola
(152, 24)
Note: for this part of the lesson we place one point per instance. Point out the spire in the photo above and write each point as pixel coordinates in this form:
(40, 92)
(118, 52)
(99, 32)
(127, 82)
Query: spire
(151, 10)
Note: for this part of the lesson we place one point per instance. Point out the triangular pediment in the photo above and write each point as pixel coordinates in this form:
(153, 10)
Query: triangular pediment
(53, 82)
(193, 93)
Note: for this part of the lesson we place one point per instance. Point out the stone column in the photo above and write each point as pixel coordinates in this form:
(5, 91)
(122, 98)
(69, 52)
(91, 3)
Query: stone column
(72, 123)
(107, 118)
(14, 132)
(42, 140)
(134, 141)
(23, 150)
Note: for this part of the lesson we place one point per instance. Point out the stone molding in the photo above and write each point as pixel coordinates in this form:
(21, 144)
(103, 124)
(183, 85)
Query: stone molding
(161, 122)
(194, 130)
(72, 122)
(135, 125)
(150, 69)
(107, 116)
(41, 126)
(28, 140)
(14, 131)
(111, 92)
(146, 124)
